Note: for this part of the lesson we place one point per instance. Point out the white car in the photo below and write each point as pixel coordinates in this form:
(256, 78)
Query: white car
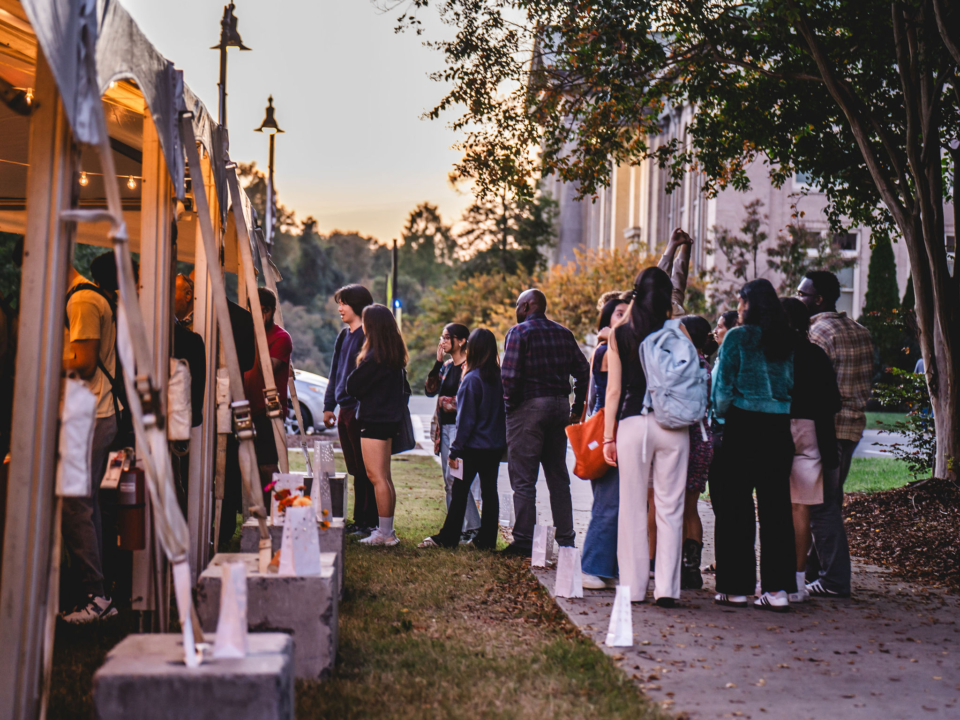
(310, 389)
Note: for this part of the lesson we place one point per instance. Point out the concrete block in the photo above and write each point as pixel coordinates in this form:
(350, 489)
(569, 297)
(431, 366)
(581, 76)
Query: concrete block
(144, 677)
(331, 541)
(304, 607)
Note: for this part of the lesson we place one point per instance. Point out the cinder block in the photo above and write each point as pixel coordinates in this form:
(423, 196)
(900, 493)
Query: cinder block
(144, 677)
(305, 607)
(331, 540)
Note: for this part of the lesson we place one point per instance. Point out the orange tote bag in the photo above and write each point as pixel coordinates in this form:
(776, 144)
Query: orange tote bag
(586, 439)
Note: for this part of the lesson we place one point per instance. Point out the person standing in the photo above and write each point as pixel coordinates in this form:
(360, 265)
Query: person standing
(379, 384)
(280, 347)
(90, 353)
(726, 321)
(479, 441)
(539, 357)
(443, 383)
(644, 451)
(752, 382)
(599, 563)
(816, 400)
(850, 350)
(351, 301)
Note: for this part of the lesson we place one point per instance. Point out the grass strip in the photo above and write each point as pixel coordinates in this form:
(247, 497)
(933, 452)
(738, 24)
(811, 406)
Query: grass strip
(870, 475)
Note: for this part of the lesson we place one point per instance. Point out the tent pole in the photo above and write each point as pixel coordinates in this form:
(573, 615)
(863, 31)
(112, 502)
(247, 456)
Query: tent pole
(30, 501)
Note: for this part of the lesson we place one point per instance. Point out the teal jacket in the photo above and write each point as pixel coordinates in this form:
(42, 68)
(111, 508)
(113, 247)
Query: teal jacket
(745, 378)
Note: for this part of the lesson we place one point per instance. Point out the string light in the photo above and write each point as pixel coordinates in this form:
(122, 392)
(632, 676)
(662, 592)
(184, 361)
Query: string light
(28, 98)
(131, 183)
(84, 180)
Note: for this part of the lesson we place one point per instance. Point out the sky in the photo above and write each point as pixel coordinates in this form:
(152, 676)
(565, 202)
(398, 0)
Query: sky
(348, 93)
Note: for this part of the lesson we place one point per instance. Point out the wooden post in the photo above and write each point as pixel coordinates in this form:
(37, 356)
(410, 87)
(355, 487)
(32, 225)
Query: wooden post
(30, 500)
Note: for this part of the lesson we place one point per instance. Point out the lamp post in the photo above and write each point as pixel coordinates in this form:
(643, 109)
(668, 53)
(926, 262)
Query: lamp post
(269, 126)
(229, 37)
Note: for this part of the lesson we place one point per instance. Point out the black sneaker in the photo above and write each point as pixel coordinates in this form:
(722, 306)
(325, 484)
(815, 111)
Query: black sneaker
(512, 550)
(817, 589)
(666, 602)
(96, 608)
(360, 531)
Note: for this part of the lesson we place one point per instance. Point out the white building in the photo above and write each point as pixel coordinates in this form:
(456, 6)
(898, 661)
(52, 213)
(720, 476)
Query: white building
(635, 212)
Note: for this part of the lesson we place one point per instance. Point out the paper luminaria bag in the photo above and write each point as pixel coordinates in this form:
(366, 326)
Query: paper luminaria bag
(507, 517)
(620, 633)
(300, 546)
(77, 424)
(543, 536)
(231, 640)
(569, 579)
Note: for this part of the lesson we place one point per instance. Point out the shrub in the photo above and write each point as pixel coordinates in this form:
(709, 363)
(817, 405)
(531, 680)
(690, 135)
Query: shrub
(909, 390)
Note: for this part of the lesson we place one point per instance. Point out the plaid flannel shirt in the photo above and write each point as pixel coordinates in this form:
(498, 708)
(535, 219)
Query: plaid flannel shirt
(850, 349)
(539, 357)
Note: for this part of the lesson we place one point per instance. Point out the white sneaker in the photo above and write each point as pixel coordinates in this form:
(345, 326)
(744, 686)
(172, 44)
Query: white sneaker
(592, 582)
(800, 596)
(376, 538)
(428, 542)
(778, 601)
(96, 608)
(738, 601)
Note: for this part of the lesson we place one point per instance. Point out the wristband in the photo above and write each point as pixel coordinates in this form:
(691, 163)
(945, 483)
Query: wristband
(608, 442)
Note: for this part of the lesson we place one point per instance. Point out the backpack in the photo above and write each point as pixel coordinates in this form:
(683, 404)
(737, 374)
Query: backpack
(119, 391)
(676, 383)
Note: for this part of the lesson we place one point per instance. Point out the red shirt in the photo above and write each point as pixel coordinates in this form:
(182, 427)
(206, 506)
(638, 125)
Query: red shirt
(281, 346)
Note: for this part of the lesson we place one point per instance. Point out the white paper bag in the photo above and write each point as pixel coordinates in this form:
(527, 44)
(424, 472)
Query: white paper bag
(78, 421)
(231, 641)
(300, 547)
(457, 472)
(192, 655)
(620, 633)
(543, 536)
(569, 580)
(224, 416)
(284, 481)
(506, 509)
(320, 492)
(179, 415)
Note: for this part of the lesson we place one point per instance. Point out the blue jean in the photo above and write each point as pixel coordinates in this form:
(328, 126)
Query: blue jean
(471, 521)
(600, 544)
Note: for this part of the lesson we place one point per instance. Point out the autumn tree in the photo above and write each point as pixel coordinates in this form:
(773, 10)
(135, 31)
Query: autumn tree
(860, 95)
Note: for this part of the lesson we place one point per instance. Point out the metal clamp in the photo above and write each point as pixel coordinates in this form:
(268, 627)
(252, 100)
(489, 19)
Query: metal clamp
(149, 401)
(242, 420)
(272, 398)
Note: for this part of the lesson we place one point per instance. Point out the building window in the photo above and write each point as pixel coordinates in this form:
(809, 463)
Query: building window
(845, 303)
(845, 241)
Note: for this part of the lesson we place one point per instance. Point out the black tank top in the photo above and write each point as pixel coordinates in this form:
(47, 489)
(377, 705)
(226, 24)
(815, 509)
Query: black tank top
(633, 383)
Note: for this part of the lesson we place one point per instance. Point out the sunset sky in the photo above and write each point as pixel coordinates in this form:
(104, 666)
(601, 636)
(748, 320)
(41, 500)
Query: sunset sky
(349, 94)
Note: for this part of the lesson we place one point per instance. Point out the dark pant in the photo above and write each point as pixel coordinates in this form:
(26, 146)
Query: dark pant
(829, 557)
(364, 500)
(757, 454)
(486, 464)
(82, 530)
(232, 493)
(536, 436)
(600, 543)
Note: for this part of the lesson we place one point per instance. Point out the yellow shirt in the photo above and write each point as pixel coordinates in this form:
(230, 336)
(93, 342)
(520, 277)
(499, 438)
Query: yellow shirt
(90, 317)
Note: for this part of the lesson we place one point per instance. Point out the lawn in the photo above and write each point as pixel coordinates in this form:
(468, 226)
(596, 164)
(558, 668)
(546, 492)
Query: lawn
(882, 420)
(875, 474)
(440, 634)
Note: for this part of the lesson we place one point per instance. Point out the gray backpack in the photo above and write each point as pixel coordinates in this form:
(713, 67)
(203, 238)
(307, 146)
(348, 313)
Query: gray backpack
(676, 384)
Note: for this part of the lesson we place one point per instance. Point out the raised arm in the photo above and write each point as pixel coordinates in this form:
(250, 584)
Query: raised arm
(677, 264)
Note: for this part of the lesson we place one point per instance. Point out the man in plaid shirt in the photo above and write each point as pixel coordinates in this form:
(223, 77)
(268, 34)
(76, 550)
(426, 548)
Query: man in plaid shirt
(850, 349)
(539, 357)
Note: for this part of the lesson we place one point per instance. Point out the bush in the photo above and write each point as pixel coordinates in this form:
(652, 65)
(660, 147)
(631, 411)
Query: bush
(909, 390)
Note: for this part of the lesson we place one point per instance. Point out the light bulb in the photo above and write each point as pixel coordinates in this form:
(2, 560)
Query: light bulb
(84, 180)
(131, 183)
(29, 96)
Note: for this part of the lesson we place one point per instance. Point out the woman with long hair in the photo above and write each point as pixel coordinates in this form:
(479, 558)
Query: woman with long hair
(816, 400)
(726, 322)
(481, 437)
(643, 450)
(752, 384)
(600, 545)
(379, 384)
(442, 383)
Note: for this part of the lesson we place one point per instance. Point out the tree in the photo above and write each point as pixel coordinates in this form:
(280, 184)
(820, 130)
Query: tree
(254, 182)
(741, 253)
(507, 232)
(882, 303)
(859, 94)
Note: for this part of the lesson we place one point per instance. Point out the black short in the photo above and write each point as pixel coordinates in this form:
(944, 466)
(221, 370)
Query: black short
(379, 430)
(264, 442)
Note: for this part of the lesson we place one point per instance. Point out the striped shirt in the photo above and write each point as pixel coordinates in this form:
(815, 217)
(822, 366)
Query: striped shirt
(850, 349)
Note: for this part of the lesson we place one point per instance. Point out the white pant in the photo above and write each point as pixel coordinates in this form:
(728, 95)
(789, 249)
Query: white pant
(667, 452)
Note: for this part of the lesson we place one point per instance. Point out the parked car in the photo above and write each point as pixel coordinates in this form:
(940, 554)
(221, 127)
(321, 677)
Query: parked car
(310, 390)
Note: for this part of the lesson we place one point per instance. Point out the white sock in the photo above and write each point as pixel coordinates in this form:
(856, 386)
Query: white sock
(801, 580)
(386, 526)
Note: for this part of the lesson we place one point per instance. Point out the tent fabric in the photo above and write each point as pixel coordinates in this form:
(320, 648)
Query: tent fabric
(123, 52)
